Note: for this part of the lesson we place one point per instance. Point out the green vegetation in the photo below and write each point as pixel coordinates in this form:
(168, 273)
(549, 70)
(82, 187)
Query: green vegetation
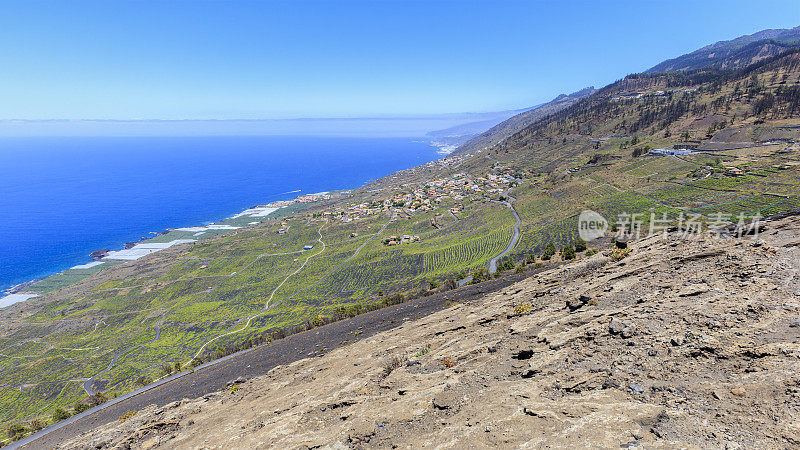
(522, 308)
(580, 245)
(424, 351)
(59, 415)
(238, 289)
(549, 251)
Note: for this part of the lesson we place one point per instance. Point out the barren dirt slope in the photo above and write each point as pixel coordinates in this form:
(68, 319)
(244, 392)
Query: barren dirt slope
(692, 344)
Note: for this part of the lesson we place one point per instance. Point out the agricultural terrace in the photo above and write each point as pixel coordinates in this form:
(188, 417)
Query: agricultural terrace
(123, 326)
(119, 326)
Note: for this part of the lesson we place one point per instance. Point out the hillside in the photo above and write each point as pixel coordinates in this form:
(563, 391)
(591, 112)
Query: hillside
(681, 344)
(698, 150)
(510, 126)
(451, 138)
(734, 54)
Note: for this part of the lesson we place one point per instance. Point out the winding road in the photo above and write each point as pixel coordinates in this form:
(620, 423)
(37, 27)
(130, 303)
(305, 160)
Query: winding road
(91, 386)
(358, 250)
(514, 239)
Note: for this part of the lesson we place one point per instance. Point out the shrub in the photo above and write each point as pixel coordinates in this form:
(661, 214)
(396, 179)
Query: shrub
(522, 308)
(480, 276)
(80, 407)
(423, 351)
(580, 245)
(505, 264)
(640, 151)
(538, 265)
(126, 416)
(393, 363)
(549, 251)
(567, 252)
(97, 399)
(620, 253)
(59, 415)
(16, 431)
(166, 369)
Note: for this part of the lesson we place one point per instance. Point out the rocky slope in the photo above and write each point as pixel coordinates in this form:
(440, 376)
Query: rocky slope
(735, 53)
(682, 343)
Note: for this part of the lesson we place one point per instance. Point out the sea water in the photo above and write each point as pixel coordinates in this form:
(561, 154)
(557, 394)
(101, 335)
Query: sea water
(62, 198)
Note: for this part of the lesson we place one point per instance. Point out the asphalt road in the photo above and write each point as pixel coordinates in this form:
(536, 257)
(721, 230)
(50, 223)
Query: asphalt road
(514, 239)
(256, 361)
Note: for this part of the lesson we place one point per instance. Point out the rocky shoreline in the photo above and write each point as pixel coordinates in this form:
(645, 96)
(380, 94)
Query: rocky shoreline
(256, 213)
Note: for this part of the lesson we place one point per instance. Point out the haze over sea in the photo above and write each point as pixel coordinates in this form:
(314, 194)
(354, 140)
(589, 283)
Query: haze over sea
(61, 198)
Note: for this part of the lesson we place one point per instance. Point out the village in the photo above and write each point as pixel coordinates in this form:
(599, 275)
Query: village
(415, 198)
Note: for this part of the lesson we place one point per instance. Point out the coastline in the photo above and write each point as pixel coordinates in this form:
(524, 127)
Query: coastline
(131, 251)
(47, 253)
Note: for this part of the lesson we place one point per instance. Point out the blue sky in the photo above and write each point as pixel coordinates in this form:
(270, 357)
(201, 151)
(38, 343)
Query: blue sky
(239, 59)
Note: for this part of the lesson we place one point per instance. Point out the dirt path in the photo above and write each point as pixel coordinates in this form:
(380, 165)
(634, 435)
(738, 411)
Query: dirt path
(358, 250)
(91, 386)
(266, 306)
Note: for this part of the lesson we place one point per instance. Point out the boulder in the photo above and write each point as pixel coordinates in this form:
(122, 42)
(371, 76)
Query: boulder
(578, 303)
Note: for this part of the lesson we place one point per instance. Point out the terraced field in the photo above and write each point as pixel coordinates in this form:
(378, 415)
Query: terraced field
(124, 327)
(119, 326)
(470, 254)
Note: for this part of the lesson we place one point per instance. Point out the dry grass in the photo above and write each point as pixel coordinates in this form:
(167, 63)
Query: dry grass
(393, 363)
(620, 253)
(522, 308)
(126, 416)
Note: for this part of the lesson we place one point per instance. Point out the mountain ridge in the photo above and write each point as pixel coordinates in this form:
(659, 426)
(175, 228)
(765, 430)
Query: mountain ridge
(735, 53)
(448, 139)
(513, 124)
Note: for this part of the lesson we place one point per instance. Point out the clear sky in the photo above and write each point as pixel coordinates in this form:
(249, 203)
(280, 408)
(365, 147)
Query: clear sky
(239, 59)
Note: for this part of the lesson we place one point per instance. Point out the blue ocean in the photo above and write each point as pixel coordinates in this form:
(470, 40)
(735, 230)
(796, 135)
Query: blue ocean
(61, 198)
